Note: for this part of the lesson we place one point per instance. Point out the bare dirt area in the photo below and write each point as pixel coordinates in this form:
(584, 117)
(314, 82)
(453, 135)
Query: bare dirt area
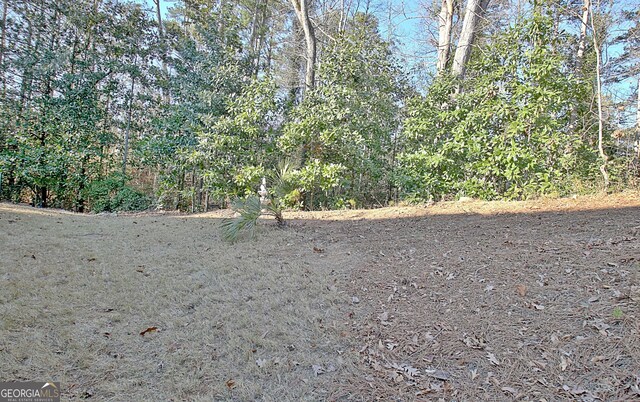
(461, 301)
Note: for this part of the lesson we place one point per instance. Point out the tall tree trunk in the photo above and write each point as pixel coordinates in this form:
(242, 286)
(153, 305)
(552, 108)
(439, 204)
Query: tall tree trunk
(603, 155)
(637, 142)
(301, 8)
(583, 33)
(445, 23)
(165, 70)
(253, 40)
(3, 35)
(127, 132)
(473, 13)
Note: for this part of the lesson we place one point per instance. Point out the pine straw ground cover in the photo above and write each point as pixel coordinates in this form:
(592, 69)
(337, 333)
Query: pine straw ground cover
(457, 301)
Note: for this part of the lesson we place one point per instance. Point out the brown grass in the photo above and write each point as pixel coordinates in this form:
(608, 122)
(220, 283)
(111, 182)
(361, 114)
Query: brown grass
(548, 287)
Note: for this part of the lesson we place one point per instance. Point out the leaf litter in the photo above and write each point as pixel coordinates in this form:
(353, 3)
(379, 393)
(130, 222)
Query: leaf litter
(430, 270)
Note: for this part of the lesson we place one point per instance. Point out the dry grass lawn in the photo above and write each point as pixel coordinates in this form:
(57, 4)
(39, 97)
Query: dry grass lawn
(465, 301)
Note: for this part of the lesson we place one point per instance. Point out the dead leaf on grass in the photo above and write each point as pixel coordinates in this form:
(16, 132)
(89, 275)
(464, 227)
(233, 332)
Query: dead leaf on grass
(522, 290)
(148, 331)
(574, 390)
(318, 250)
(510, 390)
(436, 386)
(493, 359)
(231, 384)
(384, 318)
(601, 326)
(261, 363)
(474, 342)
(406, 369)
(318, 370)
(564, 363)
(397, 377)
(438, 374)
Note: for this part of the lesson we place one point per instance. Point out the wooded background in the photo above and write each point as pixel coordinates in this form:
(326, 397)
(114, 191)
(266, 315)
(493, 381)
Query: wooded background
(115, 105)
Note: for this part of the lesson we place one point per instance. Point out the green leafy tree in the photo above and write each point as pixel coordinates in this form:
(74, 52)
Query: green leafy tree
(508, 133)
(237, 149)
(344, 131)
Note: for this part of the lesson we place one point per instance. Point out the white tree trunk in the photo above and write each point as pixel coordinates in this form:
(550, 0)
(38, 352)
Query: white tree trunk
(165, 70)
(2, 41)
(638, 123)
(301, 8)
(445, 22)
(473, 13)
(583, 31)
(603, 155)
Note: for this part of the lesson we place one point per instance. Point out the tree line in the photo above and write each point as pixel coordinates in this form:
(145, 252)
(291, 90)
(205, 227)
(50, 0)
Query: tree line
(117, 105)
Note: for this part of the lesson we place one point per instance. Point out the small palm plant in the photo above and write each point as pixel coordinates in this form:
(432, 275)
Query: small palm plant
(249, 210)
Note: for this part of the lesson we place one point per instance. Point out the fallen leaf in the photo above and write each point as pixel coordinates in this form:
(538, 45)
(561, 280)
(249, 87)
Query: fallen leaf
(574, 390)
(397, 377)
(510, 390)
(537, 306)
(231, 384)
(318, 250)
(355, 300)
(601, 326)
(474, 373)
(406, 369)
(474, 342)
(564, 363)
(317, 370)
(438, 374)
(411, 371)
(435, 386)
(493, 359)
(261, 363)
(522, 290)
(148, 330)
